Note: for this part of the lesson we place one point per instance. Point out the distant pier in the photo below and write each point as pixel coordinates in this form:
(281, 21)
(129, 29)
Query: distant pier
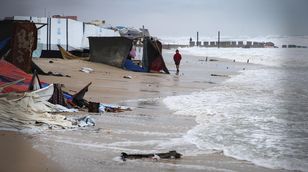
(222, 44)
(230, 44)
(233, 44)
(293, 46)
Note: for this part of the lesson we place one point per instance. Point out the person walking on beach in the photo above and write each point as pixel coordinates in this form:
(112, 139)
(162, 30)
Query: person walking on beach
(177, 59)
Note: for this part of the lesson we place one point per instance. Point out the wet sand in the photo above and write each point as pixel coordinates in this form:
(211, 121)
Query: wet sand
(149, 128)
(18, 155)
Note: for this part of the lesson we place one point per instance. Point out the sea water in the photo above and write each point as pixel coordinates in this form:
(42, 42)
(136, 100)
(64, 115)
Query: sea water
(260, 115)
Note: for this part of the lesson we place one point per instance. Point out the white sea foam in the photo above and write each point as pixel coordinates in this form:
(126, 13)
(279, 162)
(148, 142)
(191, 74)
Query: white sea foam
(265, 56)
(279, 40)
(259, 115)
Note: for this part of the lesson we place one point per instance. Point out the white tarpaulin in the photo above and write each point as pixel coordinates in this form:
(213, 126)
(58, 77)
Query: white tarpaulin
(28, 109)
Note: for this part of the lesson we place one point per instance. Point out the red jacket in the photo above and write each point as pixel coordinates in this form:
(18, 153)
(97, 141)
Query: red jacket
(177, 57)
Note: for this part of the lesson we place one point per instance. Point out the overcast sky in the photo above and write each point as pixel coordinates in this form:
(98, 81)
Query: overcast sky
(179, 17)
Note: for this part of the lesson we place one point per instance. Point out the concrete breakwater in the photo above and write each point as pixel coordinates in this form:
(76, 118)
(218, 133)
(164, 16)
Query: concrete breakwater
(223, 44)
(233, 44)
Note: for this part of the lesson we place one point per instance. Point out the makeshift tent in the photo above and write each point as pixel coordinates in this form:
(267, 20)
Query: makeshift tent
(27, 109)
(115, 50)
(152, 56)
(110, 50)
(130, 65)
(23, 42)
(57, 96)
(10, 73)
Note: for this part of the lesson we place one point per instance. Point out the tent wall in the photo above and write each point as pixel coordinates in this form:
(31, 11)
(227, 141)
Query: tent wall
(23, 42)
(152, 57)
(110, 50)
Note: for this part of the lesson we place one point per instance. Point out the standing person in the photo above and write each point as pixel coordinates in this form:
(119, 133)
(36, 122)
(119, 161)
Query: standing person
(177, 59)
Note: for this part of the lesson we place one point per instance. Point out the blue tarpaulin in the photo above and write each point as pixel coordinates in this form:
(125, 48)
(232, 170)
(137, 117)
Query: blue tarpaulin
(130, 65)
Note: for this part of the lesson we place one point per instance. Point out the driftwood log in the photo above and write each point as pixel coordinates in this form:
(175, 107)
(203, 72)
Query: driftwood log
(169, 155)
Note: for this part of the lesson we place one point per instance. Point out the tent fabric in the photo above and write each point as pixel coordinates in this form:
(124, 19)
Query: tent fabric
(157, 65)
(24, 42)
(115, 50)
(130, 65)
(35, 82)
(27, 110)
(110, 50)
(67, 55)
(10, 73)
(152, 57)
(57, 96)
(78, 98)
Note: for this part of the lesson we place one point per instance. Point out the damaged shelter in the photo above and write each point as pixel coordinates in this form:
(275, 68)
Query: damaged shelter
(21, 41)
(116, 51)
(25, 101)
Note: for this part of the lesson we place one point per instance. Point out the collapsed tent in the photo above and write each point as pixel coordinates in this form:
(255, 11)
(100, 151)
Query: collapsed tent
(28, 109)
(10, 73)
(115, 50)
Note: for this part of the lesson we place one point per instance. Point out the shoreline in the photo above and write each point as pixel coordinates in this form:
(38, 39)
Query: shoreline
(109, 134)
(18, 154)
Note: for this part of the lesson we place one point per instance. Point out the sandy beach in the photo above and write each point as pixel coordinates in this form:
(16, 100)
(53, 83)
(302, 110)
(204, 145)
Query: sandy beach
(17, 154)
(150, 127)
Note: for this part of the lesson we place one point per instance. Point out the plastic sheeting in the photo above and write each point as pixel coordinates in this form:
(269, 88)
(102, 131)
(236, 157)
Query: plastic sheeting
(10, 73)
(130, 65)
(28, 110)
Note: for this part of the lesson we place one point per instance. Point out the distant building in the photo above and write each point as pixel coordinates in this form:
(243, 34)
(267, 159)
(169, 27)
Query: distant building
(64, 30)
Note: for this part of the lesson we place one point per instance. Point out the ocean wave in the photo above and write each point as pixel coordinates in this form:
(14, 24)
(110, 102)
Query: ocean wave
(256, 116)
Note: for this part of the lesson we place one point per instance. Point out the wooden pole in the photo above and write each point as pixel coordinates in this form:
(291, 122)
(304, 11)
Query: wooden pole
(218, 43)
(47, 35)
(66, 34)
(197, 43)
